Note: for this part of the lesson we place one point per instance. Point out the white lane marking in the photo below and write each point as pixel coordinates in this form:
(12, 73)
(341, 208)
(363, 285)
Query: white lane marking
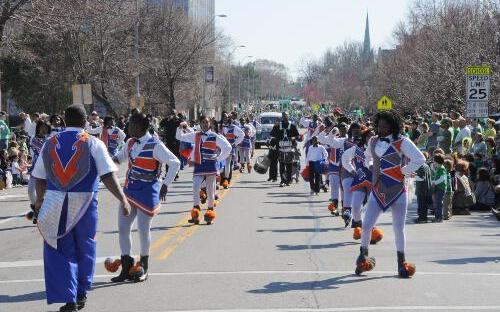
(13, 196)
(39, 263)
(402, 308)
(374, 273)
(13, 218)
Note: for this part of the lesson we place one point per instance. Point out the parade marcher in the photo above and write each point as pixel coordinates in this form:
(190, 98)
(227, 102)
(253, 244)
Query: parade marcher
(209, 149)
(285, 133)
(312, 126)
(67, 179)
(258, 127)
(316, 158)
(390, 152)
(112, 136)
(335, 146)
(273, 156)
(144, 189)
(356, 161)
(42, 131)
(346, 178)
(234, 136)
(245, 146)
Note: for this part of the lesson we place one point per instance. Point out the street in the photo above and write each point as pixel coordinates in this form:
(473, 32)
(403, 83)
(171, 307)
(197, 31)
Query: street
(271, 249)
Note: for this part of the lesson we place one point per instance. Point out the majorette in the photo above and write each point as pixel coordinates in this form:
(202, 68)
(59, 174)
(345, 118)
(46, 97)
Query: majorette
(209, 149)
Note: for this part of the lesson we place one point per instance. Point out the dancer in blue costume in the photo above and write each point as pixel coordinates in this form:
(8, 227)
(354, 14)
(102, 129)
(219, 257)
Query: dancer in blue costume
(144, 189)
(112, 136)
(394, 159)
(67, 178)
(209, 149)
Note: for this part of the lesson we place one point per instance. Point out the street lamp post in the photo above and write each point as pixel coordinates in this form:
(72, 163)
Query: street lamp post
(229, 66)
(249, 92)
(204, 108)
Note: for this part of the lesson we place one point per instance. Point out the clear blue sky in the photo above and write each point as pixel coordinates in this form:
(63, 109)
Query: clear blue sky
(288, 30)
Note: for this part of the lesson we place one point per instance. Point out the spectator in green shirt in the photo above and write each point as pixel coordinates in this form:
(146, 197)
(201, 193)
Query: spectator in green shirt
(445, 137)
(4, 131)
(439, 182)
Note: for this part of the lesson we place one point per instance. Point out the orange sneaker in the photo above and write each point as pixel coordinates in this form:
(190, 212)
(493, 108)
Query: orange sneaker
(210, 216)
(195, 215)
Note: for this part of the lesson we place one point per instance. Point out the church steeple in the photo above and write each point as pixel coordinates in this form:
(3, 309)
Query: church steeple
(367, 43)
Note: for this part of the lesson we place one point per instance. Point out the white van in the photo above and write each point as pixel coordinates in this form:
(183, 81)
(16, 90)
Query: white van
(267, 121)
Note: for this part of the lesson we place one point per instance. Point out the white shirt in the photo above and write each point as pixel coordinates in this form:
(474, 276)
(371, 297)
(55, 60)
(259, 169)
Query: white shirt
(331, 140)
(98, 130)
(221, 141)
(462, 134)
(15, 169)
(348, 156)
(240, 135)
(31, 130)
(408, 149)
(253, 131)
(27, 125)
(104, 163)
(160, 152)
(317, 153)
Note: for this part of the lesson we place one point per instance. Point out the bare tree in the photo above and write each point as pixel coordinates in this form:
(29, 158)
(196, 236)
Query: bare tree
(174, 49)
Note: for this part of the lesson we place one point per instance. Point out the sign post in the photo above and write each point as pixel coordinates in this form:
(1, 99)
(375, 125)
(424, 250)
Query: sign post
(478, 91)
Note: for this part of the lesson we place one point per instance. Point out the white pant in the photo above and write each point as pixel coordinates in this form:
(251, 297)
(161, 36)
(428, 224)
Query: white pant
(125, 230)
(32, 190)
(228, 166)
(210, 181)
(334, 186)
(244, 155)
(357, 198)
(346, 198)
(372, 213)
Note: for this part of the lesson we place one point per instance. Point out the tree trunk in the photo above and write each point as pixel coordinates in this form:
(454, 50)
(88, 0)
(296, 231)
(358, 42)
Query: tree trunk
(171, 94)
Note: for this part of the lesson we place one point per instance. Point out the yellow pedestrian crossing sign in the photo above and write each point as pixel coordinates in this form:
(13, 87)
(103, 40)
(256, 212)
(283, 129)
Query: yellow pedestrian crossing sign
(385, 103)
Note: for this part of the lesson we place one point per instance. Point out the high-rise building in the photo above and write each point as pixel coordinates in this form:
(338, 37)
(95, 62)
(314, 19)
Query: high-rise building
(200, 11)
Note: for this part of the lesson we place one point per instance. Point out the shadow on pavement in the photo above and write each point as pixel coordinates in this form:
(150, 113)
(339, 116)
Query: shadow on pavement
(288, 195)
(331, 283)
(174, 212)
(40, 295)
(296, 202)
(18, 228)
(153, 229)
(460, 261)
(295, 217)
(306, 230)
(107, 284)
(307, 247)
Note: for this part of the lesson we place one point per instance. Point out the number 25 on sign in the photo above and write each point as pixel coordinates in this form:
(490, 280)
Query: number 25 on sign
(478, 83)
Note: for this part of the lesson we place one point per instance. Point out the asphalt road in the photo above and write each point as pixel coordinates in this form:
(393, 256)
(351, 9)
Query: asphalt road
(271, 249)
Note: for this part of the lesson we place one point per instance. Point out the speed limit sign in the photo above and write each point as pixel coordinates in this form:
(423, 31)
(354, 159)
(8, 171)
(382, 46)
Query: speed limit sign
(478, 91)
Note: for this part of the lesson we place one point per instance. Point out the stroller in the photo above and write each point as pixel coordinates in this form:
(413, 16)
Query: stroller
(296, 165)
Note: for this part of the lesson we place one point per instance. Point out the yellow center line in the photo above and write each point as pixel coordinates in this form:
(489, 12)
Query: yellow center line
(169, 234)
(186, 234)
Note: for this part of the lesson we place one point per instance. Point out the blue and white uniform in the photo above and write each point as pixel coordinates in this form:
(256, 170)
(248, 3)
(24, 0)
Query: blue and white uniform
(71, 162)
(145, 156)
(393, 160)
(357, 164)
(209, 149)
(335, 151)
(112, 137)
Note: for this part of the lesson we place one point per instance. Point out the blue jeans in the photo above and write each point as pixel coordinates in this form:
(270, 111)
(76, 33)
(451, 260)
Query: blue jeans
(437, 199)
